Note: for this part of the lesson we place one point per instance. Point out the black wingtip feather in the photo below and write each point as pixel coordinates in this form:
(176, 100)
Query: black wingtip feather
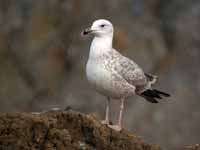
(150, 99)
(162, 93)
(151, 95)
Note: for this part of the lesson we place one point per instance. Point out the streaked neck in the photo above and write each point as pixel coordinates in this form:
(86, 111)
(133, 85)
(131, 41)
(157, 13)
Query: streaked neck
(101, 44)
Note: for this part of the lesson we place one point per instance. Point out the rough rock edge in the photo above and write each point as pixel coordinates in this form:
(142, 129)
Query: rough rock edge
(63, 130)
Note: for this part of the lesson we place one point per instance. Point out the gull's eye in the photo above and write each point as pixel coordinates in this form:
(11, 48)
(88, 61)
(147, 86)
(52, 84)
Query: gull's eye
(102, 25)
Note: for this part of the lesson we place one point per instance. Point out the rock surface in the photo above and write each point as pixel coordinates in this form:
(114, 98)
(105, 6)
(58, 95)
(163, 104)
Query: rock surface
(63, 130)
(66, 130)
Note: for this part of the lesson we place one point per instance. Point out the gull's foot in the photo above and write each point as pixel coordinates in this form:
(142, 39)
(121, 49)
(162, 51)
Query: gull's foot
(105, 122)
(115, 127)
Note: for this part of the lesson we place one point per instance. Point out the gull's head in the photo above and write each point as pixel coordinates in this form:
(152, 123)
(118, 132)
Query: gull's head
(100, 27)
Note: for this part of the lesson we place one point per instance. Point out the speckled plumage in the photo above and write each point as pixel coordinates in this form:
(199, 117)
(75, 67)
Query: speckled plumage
(114, 75)
(121, 73)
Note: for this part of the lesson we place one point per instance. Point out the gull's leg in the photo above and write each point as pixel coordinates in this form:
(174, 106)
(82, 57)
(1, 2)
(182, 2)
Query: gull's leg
(121, 112)
(107, 120)
(118, 127)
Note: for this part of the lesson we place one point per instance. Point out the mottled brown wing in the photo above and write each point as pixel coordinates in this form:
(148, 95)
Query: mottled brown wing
(130, 71)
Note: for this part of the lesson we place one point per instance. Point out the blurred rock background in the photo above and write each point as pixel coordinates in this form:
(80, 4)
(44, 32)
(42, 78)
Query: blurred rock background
(43, 58)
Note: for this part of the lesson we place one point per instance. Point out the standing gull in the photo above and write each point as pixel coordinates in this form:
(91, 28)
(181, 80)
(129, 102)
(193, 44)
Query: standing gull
(114, 75)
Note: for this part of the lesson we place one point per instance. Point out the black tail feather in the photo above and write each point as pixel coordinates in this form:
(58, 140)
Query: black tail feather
(150, 99)
(162, 93)
(153, 95)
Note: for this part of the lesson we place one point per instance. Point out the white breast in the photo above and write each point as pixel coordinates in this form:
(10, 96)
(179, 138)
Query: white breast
(96, 74)
(95, 70)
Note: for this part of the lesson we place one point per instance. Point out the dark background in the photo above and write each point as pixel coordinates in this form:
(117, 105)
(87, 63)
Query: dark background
(43, 58)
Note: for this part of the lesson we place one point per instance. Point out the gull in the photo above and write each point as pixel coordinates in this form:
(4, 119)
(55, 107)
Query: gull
(114, 75)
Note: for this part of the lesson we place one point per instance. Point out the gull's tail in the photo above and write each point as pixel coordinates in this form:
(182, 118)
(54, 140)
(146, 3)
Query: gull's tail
(151, 78)
(153, 95)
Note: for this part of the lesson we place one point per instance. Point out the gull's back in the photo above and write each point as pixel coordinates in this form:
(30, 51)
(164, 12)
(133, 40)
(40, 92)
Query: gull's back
(129, 70)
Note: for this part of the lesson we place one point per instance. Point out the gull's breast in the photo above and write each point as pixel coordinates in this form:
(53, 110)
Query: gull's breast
(106, 82)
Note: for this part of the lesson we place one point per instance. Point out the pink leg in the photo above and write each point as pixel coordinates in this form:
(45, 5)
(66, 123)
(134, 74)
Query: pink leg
(107, 120)
(118, 127)
(121, 113)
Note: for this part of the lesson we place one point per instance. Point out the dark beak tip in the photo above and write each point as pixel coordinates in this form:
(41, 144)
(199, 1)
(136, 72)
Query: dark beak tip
(83, 33)
(86, 31)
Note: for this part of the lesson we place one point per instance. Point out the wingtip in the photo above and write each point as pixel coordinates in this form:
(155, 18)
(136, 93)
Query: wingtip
(162, 93)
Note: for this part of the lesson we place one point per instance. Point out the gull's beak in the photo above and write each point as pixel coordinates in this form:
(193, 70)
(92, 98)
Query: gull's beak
(87, 31)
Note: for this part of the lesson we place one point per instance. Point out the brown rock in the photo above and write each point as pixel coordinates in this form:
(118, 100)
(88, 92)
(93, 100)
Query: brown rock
(63, 131)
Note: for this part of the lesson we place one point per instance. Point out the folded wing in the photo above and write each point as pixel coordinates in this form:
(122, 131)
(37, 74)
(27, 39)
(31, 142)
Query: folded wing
(130, 71)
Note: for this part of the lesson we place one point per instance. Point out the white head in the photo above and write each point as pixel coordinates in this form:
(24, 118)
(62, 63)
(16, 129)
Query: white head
(99, 28)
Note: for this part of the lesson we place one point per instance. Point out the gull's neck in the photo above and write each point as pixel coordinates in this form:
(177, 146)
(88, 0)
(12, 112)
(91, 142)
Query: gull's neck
(100, 45)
